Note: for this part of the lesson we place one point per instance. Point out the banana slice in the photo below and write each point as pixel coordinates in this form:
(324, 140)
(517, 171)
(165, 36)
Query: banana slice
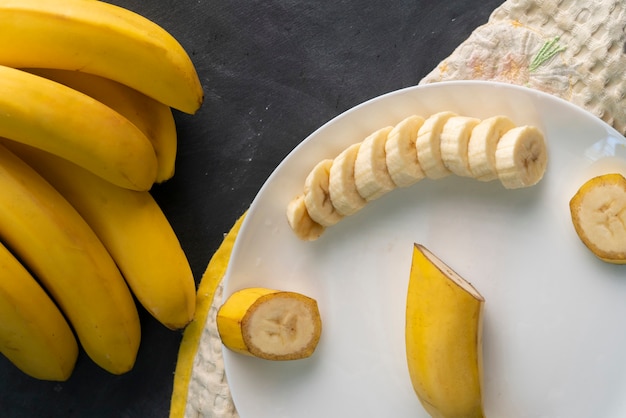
(481, 152)
(342, 187)
(428, 145)
(370, 168)
(300, 222)
(521, 157)
(454, 141)
(270, 324)
(598, 212)
(316, 196)
(401, 154)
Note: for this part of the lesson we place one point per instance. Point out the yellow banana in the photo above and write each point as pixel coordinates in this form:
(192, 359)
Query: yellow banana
(34, 336)
(56, 244)
(133, 229)
(102, 39)
(153, 118)
(270, 324)
(65, 122)
(444, 338)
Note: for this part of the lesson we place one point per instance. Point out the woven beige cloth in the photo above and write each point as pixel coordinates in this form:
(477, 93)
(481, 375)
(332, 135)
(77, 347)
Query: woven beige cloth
(587, 39)
(568, 48)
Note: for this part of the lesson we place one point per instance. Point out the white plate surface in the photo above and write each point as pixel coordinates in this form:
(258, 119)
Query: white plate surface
(555, 316)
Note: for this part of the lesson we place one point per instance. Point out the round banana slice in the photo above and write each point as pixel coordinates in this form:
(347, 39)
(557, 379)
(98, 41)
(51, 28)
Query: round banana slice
(342, 187)
(370, 168)
(428, 145)
(454, 141)
(316, 197)
(300, 222)
(481, 151)
(521, 157)
(270, 324)
(401, 154)
(598, 213)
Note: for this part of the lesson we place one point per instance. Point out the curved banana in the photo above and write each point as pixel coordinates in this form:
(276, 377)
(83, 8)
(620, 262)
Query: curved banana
(133, 229)
(371, 176)
(153, 118)
(270, 324)
(481, 150)
(56, 244)
(401, 153)
(48, 115)
(316, 195)
(34, 335)
(428, 145)
(521, 157)
(342, 190)
(455, 137)
(444, 338)
(300, 221)
(102, 39)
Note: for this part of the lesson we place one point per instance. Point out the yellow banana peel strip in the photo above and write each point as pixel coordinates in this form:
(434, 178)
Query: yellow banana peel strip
(191, 338)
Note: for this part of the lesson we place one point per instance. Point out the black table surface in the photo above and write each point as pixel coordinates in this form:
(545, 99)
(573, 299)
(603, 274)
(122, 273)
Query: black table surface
(273, 71)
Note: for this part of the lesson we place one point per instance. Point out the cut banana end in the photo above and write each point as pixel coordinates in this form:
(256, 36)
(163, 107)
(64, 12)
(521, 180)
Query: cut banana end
(370, 168)
(428, 145)
(316, 195)
(521, 157)
(481, 152)
(270, 324)
(300, 222)
(444, 338)
(598, 212)
(454, 142)
(344, 195)
(401, 154)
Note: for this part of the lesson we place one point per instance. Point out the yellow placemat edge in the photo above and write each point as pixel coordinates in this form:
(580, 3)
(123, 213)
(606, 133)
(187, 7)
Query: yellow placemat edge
(191, 338)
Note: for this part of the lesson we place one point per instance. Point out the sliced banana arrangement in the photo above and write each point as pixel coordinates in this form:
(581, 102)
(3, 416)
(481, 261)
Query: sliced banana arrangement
(416, 148)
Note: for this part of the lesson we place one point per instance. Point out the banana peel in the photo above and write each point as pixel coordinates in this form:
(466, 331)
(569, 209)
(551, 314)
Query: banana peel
(193, 332)
(444, 338)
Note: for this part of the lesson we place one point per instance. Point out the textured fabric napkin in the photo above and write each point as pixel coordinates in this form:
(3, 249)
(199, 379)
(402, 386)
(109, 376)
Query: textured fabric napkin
(566, 48)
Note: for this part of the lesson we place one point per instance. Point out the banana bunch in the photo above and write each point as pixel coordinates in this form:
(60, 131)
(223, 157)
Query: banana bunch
(416, 148)
(86, 129)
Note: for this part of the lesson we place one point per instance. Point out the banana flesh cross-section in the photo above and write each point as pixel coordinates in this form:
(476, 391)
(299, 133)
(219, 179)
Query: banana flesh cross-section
(344, 195)
(401, 152)
(270, 324)
(521, 157)
(455, 137)
(416, 148)
(481, 153)
(598, 213)
(370, 168)
(428, 145)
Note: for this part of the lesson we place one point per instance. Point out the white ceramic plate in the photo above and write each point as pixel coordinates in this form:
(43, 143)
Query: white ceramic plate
(555, 316)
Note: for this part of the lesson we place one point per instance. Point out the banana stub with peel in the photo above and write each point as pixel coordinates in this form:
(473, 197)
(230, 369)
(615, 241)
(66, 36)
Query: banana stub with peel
(270, 324)
(599, 216)
(444, 338)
